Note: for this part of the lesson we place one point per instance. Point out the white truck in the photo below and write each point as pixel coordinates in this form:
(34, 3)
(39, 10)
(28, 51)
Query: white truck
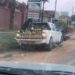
(45, 34)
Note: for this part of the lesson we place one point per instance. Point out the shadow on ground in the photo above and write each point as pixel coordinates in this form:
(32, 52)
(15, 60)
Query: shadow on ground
(9, 44)
(65, 38)
(34, 49)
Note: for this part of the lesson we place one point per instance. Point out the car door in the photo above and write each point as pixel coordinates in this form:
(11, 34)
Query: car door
(55, 33)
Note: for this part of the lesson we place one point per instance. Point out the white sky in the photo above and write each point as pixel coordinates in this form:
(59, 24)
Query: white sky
(62, 5)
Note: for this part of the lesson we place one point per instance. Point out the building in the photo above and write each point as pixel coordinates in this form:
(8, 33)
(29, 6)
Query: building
(11, 18)
(36, 16)
(49, 15)
(64, 14)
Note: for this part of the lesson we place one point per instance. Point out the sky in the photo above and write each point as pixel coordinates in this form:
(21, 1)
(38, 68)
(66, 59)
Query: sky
(62, 5)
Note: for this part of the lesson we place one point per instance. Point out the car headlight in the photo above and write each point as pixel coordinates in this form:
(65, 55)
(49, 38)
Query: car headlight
(43, 34)
(18, 31)
(18, 35)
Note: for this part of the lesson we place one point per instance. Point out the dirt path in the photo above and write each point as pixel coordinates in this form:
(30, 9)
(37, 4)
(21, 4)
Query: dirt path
(59, 55)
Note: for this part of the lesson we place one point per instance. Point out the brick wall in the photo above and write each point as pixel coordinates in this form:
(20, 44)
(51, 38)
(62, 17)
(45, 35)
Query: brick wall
(5, 18)
(17, 20)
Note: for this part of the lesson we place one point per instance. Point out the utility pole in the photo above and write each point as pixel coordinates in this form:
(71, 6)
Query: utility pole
(72, 10)
(54, 16)
(55, 8)
(27, 10)
(42, 14)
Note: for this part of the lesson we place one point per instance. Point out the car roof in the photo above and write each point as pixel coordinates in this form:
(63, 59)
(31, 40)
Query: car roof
(44, 22)
(49, 23)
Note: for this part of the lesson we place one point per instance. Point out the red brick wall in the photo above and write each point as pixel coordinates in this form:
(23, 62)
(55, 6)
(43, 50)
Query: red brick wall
(17, 20)
(4, 18)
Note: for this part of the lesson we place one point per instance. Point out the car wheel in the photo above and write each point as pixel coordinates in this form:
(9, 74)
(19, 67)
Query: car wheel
(50, 45)
(22, 46)
(61, 41)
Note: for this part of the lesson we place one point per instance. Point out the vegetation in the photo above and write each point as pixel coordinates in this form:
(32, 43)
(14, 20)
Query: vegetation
(7, 41)
(63, 21)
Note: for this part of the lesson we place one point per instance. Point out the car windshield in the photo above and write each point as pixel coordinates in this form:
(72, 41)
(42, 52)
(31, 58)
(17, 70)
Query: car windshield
(38, 31)
(18, 71)
(39, 25)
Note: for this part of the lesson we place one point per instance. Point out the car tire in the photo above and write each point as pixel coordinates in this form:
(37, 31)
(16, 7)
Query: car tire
(61, 41)
(22, 46)
(50, 45)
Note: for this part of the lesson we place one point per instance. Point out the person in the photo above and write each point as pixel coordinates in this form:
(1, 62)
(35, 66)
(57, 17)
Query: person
(26, 24)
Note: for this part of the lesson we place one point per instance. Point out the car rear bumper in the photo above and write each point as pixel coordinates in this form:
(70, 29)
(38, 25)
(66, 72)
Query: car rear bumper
(32, 41)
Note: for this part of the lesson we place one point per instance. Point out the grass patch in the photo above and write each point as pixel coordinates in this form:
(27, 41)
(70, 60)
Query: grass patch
(7, 41)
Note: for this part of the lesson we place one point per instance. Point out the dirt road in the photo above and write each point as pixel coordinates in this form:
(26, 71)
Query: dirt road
(59, 55)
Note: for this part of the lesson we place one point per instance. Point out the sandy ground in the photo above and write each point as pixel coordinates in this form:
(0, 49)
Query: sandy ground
(59, 55)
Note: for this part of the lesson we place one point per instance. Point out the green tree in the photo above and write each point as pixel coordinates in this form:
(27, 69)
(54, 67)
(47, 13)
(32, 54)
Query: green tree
(64, 22)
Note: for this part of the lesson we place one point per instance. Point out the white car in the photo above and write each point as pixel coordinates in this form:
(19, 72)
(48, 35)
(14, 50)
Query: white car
(40, 34)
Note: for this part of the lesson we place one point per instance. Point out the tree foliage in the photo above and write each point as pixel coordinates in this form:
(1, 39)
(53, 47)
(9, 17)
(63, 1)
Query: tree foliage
(63, 22)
